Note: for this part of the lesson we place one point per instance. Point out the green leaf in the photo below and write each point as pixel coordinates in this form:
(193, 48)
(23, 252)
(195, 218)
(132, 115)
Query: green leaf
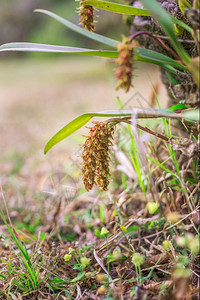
(141, 53)
(98, 37)
(80, 276)
(118, 8)
(130, 10)
(147, 55)
(67, 130)
(97, 233)
(80, 121)
(169, 68)
(193, 115)
(76, 124)
(94, 36)
(56, 49)
(178, 107)
(182, 24)
(171, 78)
(164, 19)
(161, 166)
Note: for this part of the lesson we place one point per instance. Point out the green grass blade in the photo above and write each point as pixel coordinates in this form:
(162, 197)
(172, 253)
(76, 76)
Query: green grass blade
(135, 160)
(163, 167)
(117, 8)
(56, 49)
(94, 36)
(172, 152)
(23, 251)
(165, 21)
(20, 286)
(18, 243)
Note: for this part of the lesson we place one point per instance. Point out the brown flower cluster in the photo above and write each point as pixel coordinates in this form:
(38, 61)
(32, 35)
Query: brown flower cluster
(87, 16)
(125, 63)
(95, 155)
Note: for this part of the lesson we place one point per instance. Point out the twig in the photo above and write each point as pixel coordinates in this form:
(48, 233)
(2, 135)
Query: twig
(141, 221)
(126, 120)
(180, 40)
(145, 114)
(159, 232)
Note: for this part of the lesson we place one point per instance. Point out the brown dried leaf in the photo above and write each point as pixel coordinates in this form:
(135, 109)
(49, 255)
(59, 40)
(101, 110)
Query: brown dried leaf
(194, 69)
(153, 93)
(100, 262)
(156, 286)
(56, 214)
(186, 146)
(141, 293)
(156, 259)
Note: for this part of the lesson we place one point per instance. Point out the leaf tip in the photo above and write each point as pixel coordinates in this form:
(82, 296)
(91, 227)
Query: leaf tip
(38, 10)
(46, 149)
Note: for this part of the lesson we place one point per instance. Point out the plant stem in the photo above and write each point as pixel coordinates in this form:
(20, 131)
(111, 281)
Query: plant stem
(158, 40)
(126, 120)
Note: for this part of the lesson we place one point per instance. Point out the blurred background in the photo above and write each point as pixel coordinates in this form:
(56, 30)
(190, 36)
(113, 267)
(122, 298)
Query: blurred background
(40, 93)
(19, 23)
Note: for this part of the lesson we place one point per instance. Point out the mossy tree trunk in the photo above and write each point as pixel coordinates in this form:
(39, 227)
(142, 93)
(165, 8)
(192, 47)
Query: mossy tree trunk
(180, 87)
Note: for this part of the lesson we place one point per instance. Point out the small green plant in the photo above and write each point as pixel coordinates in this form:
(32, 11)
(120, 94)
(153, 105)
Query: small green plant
(138, 260)
(28, 275)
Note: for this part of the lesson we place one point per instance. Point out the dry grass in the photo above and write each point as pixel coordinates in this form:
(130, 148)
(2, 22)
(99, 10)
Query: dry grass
(54, 216)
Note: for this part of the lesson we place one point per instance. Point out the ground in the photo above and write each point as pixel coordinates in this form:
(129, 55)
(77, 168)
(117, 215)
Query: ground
(72, 237)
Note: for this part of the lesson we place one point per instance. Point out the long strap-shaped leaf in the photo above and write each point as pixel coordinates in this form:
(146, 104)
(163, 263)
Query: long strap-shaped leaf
(94, 36)
(80, 121)
(165, 21)
(118, 8)
(141, 53)
(56, 49)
